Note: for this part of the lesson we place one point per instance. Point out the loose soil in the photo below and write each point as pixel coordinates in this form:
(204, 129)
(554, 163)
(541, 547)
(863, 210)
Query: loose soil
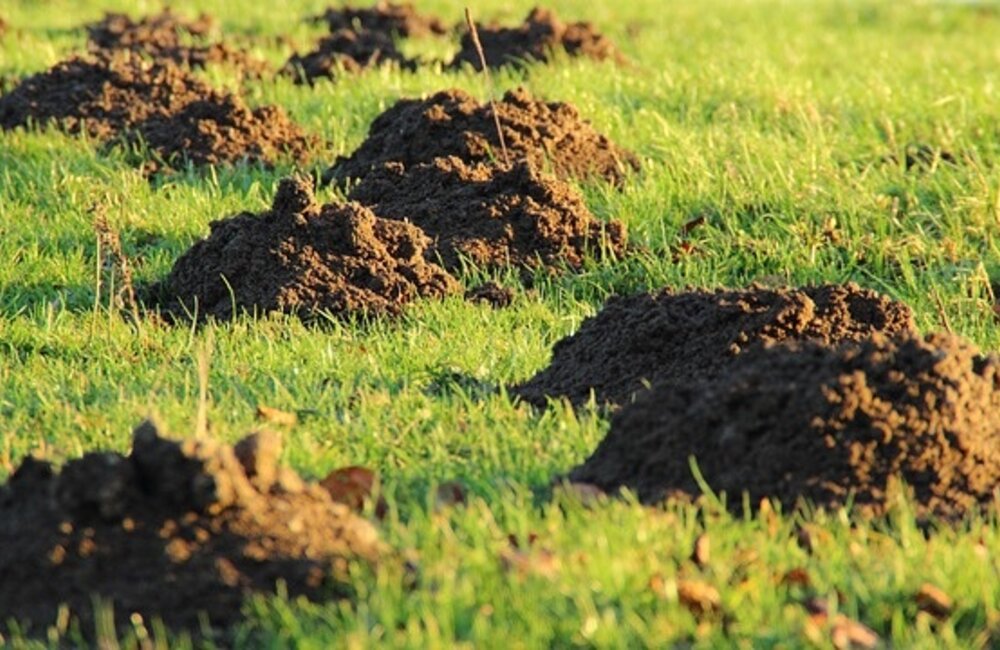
(535, 40)
(124, 96)
(172, 530)
(453, 123)
(491, 215)
(492, 294)
(805, 420)
(648, 338)
(349, 51)
(388, 18)
(302, 258)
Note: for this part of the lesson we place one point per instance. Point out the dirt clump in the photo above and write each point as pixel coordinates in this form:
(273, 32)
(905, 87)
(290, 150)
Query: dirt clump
(492, 215)
(649, 338)
(349, 51)
(170, 531)
(492, 294)
(453, 123)
(300, 257)
(388, 18)
(828, 424)
(535, 40)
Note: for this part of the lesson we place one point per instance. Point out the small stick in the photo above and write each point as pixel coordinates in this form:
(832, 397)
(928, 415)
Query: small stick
(489, 81)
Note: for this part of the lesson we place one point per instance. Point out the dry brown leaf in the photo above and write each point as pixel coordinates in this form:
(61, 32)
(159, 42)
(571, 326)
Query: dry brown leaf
(702, 552)
(275, 416)
(700, 598)
(934, 601)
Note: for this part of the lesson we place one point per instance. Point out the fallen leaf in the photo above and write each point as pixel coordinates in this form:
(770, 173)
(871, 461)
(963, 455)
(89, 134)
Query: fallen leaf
(702, 553)
(700, 598)
(275, 416)
(934, 601)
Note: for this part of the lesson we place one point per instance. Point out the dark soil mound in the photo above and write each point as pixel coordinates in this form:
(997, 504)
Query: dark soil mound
(541, 34)
(492, 215)
(167, 36)
(492, 294)
(300, 258)
(170, 531)
(347, 50)
(388, 18)
(805, 420)
(664, 336)
(181, 119)
(453, 123)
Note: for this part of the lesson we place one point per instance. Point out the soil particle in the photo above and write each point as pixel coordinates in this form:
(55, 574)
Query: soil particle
(682, 336)
(453, 123)
(805, 420)
(389, 18)
(492, 294)
(170, 531)
(300, 257)
(536, 39)
(492, 215)
(349, 51)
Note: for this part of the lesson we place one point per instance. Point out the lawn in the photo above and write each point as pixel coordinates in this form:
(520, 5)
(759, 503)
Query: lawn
(784, 125)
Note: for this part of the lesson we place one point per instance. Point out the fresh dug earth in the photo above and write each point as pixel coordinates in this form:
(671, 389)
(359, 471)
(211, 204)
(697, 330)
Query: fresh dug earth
(164, 35)
(302, 258)
(492, 215)
(536, 39)
(453, 123)
(805, 420)
(388, 18)
(112, 96)
(650, 338)
(172, 530)
(349, 51)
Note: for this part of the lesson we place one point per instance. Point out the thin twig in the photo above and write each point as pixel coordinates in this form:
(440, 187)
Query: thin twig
(489, 81)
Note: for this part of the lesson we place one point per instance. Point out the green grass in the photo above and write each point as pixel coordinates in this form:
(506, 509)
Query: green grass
(771, 119)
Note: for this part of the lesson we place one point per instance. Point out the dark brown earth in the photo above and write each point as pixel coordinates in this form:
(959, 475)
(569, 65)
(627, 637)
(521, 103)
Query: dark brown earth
(649, 338)
(492, 215)
(453, 123)
(536, 39)
(389, 18)
(124, 96)
(170, 531)
(300, 257)
(804, 420)
(492, 294)
(349, 51)
(168, 36)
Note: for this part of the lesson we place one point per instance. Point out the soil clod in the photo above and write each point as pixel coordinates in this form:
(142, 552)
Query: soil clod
(303, 258)
(492, 294)
(174, 530)
(453, 123)
(388, 18)
(828, 424)
(648, 338)
(349, 51)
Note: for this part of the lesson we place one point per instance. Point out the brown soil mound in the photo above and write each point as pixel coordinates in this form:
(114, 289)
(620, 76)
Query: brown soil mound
(162, 36)
(170, 531)
(492, 215)
(348, 50)
(652, 337)
(388, 18)
(536, 39)
(124, 95)
(824, 424)
(301, 258)
(453, 123)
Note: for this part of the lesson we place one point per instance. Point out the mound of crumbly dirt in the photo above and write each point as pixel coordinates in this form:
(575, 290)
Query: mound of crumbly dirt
(389, 18)
(649, 338)
(348, 50)
(300, 257)
(453, 123)
(820, 423)
(162, 36)
(536, 39)
(493, 215)
(173, 530)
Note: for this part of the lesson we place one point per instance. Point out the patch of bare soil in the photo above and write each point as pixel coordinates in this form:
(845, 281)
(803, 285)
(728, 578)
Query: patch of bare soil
(649, 338)
(453, 123)
(492, 215)
(535, 40)
(805, 420)
(388, 18)
(346, 50)
(492, 294)
(302, 258)
(174, 530)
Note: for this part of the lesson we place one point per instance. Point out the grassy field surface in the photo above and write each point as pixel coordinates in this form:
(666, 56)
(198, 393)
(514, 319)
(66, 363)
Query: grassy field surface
(783, 124)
